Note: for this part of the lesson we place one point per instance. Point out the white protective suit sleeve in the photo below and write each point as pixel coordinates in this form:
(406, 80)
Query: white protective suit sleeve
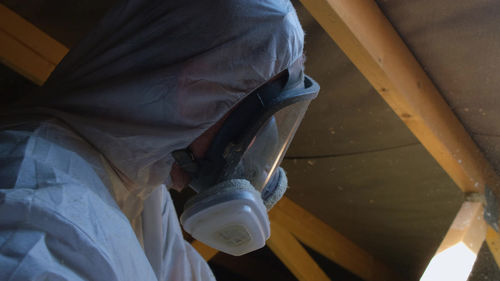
(79, 157)
(172, 258)
(59, 222)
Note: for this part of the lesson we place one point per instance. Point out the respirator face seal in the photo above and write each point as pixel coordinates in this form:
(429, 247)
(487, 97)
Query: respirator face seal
(239, 178)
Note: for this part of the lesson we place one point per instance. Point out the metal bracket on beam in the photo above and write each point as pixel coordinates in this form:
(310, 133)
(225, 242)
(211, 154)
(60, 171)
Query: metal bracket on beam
(491, 206)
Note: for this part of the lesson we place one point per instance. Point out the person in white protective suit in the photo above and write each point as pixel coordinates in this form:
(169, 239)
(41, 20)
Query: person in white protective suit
(161, 94)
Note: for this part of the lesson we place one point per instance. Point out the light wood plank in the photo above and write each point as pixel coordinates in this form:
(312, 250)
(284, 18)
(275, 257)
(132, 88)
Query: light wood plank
(26, 49)
(365, 35)
(23, 60)
(205, 251)
(31, 36)
(323, 239)
(293, 255)
(457, 253)
(493, 240)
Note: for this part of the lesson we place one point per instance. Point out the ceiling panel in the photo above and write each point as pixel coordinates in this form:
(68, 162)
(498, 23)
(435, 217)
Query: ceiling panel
(356, 166)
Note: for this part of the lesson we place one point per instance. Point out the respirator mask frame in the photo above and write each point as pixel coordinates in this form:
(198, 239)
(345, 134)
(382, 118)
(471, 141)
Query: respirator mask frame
(239, 178)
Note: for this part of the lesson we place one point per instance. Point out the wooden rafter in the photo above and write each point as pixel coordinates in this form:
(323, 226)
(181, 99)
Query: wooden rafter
(205, 251)
(23, 60)
(493, 240)
(365, 35)
(368, 39)
(286, 247)
(301, 225)
(26, 49)
(457, 253)
(325, 240)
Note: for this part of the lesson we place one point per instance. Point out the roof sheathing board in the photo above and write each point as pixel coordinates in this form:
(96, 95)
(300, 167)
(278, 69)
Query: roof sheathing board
(458, 45)
(368, 176)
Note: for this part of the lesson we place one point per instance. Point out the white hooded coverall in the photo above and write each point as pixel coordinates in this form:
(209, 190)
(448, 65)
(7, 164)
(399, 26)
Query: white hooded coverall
(85, 161)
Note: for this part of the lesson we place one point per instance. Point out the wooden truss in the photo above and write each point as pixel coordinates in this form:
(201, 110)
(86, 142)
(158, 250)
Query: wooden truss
(290, 224)
(365, 35)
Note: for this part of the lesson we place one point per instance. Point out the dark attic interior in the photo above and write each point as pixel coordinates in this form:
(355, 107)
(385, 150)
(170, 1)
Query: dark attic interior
(393, 173)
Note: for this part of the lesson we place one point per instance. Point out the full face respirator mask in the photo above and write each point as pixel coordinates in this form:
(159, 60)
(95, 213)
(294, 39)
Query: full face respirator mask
(239, 178)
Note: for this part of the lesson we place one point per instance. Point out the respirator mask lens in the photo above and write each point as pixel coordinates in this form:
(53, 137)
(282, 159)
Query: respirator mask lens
(239, 179)
(267, 149)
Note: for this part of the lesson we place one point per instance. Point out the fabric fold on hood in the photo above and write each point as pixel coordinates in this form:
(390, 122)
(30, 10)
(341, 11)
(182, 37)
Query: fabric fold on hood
(153, 76)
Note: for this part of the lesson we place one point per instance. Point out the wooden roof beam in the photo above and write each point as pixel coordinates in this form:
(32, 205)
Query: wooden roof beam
(289, 222)
(457, 253)
(26, 49)
(325, 240)
(286, 247)
(206, 252)
(368, 39)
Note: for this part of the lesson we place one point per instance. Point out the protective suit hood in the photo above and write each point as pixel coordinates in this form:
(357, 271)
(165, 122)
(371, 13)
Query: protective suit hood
(138, 90)
(80, 157)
